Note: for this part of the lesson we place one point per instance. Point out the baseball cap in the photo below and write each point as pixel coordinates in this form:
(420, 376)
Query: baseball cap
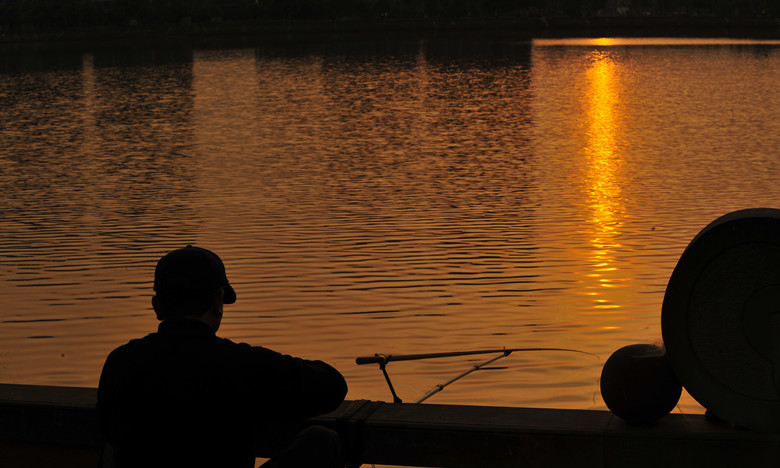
(192, 270)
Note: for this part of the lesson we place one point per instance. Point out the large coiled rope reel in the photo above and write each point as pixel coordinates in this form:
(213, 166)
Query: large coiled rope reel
(721, 318)
(721, 330)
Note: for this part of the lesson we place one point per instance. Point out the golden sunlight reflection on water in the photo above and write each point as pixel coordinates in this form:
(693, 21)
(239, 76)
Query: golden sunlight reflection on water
(603, 187)
(431, 196)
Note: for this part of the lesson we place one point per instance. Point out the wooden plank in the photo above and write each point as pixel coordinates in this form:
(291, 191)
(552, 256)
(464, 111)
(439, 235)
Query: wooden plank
(476, 436)
(36, 417)
(56, 416)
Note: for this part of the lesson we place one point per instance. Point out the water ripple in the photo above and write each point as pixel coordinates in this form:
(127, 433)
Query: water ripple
(446, 196)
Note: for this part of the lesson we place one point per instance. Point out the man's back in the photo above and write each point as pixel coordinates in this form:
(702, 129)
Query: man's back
(184, 397)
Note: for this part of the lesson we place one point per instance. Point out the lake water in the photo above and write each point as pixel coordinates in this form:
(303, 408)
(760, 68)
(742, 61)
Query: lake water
(377, 196)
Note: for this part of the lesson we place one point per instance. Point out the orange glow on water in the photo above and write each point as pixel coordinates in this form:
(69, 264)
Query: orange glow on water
(603, 166)
(439, 198)
(605, 41)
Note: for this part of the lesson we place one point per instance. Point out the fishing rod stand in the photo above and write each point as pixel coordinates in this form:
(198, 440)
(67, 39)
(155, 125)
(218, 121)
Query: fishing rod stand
(383, 368)
(383, 360)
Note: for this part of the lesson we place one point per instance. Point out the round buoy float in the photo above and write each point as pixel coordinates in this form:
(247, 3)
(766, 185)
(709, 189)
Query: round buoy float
(721, 318)
(638, 384)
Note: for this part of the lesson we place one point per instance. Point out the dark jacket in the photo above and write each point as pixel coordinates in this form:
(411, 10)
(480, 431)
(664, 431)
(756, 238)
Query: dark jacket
(185, 397)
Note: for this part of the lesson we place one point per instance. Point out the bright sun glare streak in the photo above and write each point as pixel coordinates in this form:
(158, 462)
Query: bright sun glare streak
(604, 41)
(603, 167)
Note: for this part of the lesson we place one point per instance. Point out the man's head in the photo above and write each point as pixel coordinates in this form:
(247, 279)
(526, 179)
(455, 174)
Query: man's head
(188, 281)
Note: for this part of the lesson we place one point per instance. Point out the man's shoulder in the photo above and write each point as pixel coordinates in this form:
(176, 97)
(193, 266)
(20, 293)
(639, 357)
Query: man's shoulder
(249, 351)
(134, 343)
(133, 349)
(231, 354)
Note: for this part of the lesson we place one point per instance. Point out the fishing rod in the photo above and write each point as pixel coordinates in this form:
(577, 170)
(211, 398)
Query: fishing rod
(383, 360)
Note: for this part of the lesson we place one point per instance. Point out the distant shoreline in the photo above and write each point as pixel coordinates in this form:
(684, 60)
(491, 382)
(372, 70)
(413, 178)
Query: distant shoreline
(528, 28)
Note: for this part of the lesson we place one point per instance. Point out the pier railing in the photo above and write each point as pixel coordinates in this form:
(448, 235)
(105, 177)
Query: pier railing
(57, 426)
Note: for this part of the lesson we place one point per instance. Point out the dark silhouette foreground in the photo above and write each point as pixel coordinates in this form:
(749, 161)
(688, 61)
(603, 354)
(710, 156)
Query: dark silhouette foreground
(184, 397)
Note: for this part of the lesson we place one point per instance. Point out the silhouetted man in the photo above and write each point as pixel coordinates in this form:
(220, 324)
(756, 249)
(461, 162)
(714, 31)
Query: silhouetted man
(183, 397)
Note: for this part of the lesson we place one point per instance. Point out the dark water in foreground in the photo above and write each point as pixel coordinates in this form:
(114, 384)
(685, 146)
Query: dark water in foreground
(394, 197)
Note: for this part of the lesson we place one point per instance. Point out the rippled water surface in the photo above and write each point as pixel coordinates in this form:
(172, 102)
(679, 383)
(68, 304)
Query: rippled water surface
(377, 196)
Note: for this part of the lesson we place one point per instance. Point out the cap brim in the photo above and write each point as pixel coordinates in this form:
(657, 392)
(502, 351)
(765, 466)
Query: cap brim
(230, 294)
